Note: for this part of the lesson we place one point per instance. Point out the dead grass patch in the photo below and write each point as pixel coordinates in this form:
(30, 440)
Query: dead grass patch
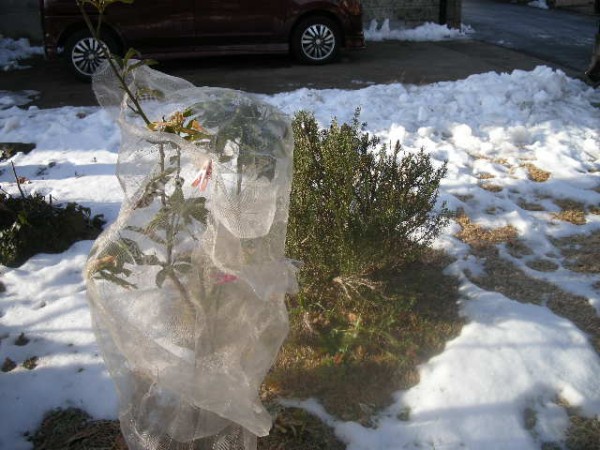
(572, 216)
(530, 206)
(571, 211)
(583, 433)
(491, 187)
(354, 360)
(581, 252)
(464, 198)
(481, 238)
(500, 161)
(73, 429)
(506, 278)
(485, 176)
(517, 248)
(595, 210)
(536, 174)
(542, 265)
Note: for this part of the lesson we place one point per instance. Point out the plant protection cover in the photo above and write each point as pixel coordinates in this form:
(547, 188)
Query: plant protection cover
(187, 287)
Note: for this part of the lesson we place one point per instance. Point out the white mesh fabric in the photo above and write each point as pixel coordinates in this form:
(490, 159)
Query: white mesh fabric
(186, 288)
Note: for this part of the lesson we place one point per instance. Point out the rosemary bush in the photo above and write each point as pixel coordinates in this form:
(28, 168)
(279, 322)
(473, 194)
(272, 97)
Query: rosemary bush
(357, 207)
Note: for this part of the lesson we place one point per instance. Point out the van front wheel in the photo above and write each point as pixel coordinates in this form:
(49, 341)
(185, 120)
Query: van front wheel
(316, 40)
(85, 54)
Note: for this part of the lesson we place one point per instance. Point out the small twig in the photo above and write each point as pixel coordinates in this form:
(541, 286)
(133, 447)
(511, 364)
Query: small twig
(17, 179)
(111, 62)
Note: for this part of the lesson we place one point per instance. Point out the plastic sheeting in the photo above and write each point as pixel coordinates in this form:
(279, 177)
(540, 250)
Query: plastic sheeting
(187, 286)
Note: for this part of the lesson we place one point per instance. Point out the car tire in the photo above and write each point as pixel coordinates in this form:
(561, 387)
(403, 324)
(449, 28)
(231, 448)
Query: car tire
(84, 54)
(316, 40)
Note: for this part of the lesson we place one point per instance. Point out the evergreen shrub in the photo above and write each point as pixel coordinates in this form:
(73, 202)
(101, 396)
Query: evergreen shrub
(29, 224)
(357, 207)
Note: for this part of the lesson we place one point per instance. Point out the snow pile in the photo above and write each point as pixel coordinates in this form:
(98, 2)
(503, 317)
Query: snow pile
(538, 4)
(509, 358)
(14, 50)
(16, 98)
(427, 32)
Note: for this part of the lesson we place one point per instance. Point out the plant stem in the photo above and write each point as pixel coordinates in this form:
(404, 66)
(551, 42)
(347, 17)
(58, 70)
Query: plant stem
(17, 179)
(115, 69)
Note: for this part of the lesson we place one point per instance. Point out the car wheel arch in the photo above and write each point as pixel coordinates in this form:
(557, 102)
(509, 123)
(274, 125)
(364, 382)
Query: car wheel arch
(80, 26)
(317, 13)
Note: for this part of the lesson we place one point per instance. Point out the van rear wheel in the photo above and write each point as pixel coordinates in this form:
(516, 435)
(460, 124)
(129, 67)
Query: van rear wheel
(316, 40)
(85, 54)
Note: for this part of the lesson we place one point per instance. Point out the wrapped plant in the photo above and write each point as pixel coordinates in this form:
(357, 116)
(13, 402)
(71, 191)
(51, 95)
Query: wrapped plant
(186, 288)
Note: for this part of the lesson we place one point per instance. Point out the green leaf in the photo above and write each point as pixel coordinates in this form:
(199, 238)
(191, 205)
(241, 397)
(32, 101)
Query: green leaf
(161, 276)
(131, 52)
(108, 276)
(159, 222)
(182, 266)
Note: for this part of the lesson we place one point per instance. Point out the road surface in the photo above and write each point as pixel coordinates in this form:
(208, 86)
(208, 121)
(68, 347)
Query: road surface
(563, 37)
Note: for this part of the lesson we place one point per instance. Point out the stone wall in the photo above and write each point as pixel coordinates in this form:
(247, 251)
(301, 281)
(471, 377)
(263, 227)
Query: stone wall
(414, 12)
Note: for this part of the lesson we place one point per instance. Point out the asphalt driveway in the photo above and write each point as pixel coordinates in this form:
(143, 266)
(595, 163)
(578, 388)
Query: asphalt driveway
(564, 37)
(380, 62)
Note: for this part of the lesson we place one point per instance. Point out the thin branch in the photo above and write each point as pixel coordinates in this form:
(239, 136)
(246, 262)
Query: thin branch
(17, 179)
(113, 66)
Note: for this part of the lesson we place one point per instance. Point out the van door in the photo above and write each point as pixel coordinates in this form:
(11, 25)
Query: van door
(154, 25)
(222, 22)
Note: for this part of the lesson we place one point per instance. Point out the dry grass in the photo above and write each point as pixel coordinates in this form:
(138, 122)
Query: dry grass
(481, 238)
(378, 348)
(542, 265)
(583, 433)
(485, 176)
(464, 198)
(491, 187)
(571, 211)
(73, 429)
(572, 216)
(527, 206)
(581, 252)
(504, 277)
(517, 248)
(536, 174)
(595, 210)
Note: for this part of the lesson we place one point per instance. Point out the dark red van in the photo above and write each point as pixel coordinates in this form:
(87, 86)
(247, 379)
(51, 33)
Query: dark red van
(314, 30)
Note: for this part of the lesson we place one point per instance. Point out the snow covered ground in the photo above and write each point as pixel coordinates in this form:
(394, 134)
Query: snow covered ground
(427, 32)
(14, 50)
(509, 357)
